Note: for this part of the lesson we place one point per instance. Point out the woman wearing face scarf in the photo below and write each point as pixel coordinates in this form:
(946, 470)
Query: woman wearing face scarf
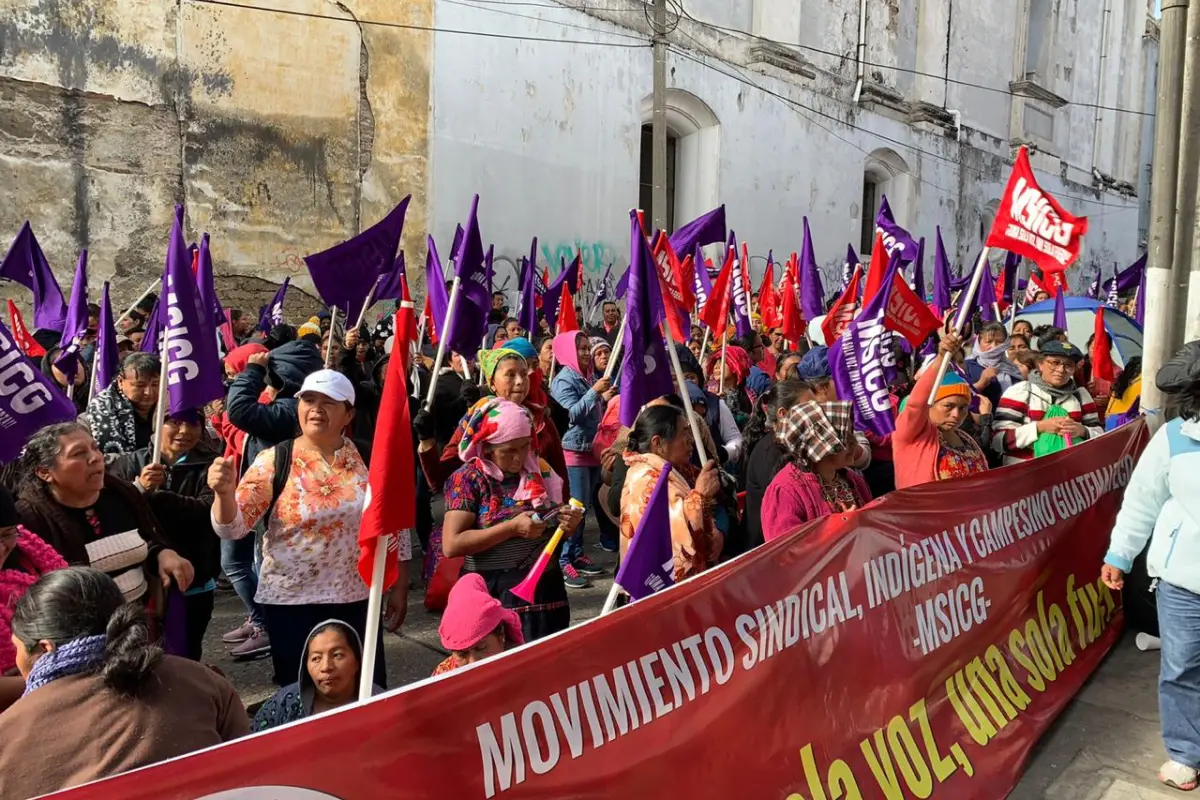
(584, 397)
(508, 377)
(495, 504)
(818, 439)
(988, 368)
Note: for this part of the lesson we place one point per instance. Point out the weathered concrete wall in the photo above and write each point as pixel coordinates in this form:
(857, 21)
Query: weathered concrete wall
(282, 134)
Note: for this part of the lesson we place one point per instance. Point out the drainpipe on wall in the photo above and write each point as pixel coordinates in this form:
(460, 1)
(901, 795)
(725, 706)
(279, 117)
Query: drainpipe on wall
(862, 50)
(1100, 86)
(954, 112)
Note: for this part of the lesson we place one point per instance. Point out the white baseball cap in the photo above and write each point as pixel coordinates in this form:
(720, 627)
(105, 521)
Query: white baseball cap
(330, 383)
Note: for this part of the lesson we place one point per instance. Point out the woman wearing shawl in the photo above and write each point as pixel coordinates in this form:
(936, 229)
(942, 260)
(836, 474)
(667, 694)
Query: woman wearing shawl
(330, 669)
(475, 626)
(732, 389)
(661, 436)
(928, 444)
(988, 369)
(584, 398)
(508, 377)
(497, 503)
(818, 441)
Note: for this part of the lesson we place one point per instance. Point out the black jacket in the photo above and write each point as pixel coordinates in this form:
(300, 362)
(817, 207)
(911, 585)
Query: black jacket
(764, 463)
(266, 425)
(183, 505)
(78, 394)
(449, 404)
(606, 335)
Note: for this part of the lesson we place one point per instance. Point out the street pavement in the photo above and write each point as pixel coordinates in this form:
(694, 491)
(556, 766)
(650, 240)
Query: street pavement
(1105, 746)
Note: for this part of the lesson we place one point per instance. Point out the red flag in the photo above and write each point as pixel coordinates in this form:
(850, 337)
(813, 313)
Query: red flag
(406, 297)
(716, 311)
(391, 502)
(791, 316)
(430, 328)
(675, 281)
(567, 319)
(908, 315)
(746, 277)
(27, 343)
(843, 310)
(879, 266)
(769, 298)
(1102, 363)
(1032, 223)
(1000, 301)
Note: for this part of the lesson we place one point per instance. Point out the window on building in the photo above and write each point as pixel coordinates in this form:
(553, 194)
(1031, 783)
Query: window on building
(870, 206)
(646, 188)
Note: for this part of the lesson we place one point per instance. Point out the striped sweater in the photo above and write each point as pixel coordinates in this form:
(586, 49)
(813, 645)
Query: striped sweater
(1023, 406)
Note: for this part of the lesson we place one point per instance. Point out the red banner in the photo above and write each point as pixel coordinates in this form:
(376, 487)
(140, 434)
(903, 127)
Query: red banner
(915, 648)
(1031, 223)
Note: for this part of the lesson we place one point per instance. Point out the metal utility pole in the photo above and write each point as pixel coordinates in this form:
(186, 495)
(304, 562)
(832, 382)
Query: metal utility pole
(1161, 337)
(658, 197)
(1186, 228)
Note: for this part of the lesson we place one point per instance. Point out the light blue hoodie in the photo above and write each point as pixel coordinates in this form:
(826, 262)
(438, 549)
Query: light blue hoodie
(1162, 505)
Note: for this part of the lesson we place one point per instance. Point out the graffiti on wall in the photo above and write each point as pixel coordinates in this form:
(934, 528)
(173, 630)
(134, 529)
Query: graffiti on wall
(596, 256)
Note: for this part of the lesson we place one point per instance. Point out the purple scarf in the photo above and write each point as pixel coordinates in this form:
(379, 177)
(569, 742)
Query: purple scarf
(80, 655)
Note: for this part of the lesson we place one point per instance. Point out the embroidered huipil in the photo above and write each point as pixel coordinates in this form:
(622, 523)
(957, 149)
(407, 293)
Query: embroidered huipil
(310, 547)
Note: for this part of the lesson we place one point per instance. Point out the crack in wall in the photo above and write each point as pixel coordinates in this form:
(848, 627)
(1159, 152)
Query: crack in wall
(366, 116)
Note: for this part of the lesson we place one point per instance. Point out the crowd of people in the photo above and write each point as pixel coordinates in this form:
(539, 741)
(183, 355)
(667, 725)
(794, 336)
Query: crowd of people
(112, 522)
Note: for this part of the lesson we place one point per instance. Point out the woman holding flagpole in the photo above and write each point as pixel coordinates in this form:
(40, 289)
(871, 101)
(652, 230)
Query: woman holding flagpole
(499, 506)
(661, 435)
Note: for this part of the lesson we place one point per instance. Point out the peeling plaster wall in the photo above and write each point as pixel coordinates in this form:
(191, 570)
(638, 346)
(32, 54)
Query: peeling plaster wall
(559, 153)
(281, 134)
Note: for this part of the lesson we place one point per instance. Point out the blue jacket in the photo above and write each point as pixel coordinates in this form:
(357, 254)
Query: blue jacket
(1162, 505)
(584, 409)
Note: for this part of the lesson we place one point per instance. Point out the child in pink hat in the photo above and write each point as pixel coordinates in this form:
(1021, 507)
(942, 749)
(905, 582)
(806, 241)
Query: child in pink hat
(475, 625)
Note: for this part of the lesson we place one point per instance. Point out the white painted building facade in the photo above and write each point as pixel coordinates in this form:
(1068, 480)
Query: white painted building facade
(772, 113)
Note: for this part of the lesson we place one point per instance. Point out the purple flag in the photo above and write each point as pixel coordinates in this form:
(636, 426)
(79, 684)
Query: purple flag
(152, 337)
(895, 238)
(435, 289)
(206, 285)
(193, 366)
(623, 283)
(604, 289)
(863, 364)
(1114, 299)
(707, 229)
(1060, 310)
(741, 303)
(456, 244)
(1129, 278)
(108, 361)
(812, 293)
(649, 563)
(26, 264)
(1139, 313)
(645, 370)
(31, 401)
(553, 296)
(848, 268)
(272, 313)
(918, 282)
(175, 632)
(391, 283)
(1093, 290)
(467, 329)
(985, 298)
(701, 282)
(345, 273)
(1012, 263)
(527, 316)
(941, 276)
(75, 326)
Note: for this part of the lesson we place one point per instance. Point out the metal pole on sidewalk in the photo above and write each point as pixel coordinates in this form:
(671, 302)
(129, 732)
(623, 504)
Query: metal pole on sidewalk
(1160, 337)
(659, 119)
(1186, 269)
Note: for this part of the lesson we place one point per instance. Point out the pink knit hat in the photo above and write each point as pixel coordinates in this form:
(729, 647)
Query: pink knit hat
(471, 614)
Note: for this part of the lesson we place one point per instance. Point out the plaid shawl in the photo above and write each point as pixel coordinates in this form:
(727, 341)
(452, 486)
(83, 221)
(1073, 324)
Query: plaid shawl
(813, 431)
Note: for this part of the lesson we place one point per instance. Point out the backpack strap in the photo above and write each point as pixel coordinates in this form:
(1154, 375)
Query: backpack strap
(283, 455)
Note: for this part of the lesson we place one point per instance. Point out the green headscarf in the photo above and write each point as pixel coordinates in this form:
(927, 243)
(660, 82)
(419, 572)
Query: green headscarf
(490, 359)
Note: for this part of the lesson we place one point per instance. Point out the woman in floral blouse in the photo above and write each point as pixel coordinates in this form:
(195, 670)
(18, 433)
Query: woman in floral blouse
(310, 547)
(497, 506)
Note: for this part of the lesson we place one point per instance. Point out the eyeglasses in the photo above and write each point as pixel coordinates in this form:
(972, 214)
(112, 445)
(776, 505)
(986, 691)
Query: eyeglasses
(1061, 366)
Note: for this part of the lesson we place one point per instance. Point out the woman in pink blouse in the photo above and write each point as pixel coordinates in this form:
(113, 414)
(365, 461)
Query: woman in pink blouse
(310, 545)
(819, 441)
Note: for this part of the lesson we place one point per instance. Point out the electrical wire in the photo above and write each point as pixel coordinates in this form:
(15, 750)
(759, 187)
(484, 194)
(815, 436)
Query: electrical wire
(412, 27)
(486, 3)
(905, 70)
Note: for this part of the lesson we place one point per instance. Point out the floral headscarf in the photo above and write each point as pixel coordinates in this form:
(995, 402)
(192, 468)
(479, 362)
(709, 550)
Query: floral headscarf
(499, 421)
(812, 431)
